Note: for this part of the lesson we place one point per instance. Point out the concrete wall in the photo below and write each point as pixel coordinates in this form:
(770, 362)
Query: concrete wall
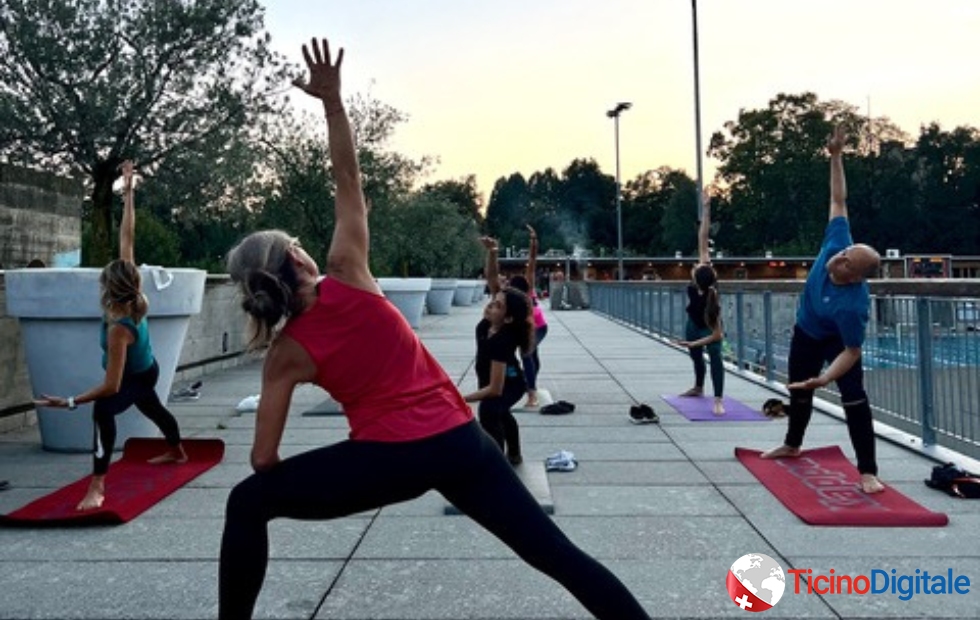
(40, 216)
(216, 339)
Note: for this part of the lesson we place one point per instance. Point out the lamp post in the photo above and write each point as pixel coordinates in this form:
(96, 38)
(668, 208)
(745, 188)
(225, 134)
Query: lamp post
(697, 107)
(614, 114)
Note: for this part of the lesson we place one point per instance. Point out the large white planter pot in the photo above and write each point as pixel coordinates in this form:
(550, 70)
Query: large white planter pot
(439, 299)
(408, 295)
(60, 318)
(478, 290)
(464, 293)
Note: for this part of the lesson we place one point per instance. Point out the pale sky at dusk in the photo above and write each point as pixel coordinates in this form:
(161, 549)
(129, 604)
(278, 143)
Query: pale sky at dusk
(505, 86)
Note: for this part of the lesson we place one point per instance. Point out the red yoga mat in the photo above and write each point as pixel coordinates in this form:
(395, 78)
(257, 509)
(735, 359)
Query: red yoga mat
(132, 486)
(822, 487)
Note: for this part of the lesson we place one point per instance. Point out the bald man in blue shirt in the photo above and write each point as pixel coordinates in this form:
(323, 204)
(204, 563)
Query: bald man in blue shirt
(830, 327)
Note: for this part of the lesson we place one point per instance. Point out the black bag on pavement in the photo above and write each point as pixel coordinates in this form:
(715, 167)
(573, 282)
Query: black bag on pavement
(954, 481)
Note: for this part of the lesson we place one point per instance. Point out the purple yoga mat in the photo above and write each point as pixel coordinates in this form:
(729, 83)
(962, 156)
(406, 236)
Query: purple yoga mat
(699, 409)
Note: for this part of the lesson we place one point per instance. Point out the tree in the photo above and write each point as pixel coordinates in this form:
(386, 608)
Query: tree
(89, 83)
(508, 209)
(680, 217)
(425, 236)
(297, 193)
(544, 210)
(462, 192)
(208, 199)
(155, 244)
(646, 200)
(588, 204)
(774, 165)
(387, 176)
(947, 179)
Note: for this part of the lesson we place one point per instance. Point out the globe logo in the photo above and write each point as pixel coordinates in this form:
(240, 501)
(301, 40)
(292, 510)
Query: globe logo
(755, 582)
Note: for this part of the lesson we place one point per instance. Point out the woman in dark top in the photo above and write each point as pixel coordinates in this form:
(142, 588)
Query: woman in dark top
(507, 326)
(704, 329)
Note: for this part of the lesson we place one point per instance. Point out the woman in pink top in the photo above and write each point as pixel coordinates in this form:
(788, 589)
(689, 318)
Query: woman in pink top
(411, 430)
(532, 361)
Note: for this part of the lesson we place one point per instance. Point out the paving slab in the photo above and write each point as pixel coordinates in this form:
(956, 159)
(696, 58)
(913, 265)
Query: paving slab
(535, 479)
(666, 507)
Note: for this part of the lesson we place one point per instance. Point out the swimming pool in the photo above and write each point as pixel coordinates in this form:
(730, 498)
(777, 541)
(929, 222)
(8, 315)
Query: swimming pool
(889, 351)
(894, 351)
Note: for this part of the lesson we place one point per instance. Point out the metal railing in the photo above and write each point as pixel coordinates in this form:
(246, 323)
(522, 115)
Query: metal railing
(921, 354)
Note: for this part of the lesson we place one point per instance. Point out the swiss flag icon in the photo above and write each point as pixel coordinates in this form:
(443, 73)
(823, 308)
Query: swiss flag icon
(755, 582)
(743, 597)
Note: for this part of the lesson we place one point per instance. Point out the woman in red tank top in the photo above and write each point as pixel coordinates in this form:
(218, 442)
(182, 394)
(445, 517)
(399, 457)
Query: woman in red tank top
(411, 430)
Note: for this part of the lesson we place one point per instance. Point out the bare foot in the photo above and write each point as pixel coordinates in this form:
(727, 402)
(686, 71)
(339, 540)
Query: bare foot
(781, 452)
(719, 408)
(94, 496)
(870, 484)
(694, 391)
(173, 455)
(532, 400)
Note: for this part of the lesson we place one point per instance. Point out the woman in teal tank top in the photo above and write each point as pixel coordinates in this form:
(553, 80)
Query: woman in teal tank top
(131, 371)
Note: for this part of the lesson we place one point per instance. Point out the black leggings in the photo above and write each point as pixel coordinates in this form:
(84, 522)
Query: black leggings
(691, 333)
(532, 362)
(807, 357)
(353, 476)
(136, 389)
(497, 419)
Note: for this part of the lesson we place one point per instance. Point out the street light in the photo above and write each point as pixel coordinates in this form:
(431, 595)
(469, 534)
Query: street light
(697, 107)
(614, 114)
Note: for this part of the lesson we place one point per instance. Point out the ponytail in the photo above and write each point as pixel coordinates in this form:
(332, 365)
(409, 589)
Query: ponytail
(139, 307)
(267, 299)
(260, 266)
(706, 280)
(712, 307)
(519, 309)
(122, 292)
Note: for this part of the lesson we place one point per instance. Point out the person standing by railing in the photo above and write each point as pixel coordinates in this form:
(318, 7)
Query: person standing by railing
(704, 329)
(830, 329)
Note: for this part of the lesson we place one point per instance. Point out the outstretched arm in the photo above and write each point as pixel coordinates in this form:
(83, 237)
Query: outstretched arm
(844, 361)
(838, 185)
(716, 335)
(532, 260)
(491, 271)
(704, 230)
(347, 258)
(127, 228)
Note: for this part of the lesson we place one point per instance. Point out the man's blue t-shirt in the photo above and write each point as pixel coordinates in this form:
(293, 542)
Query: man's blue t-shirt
(826, 309)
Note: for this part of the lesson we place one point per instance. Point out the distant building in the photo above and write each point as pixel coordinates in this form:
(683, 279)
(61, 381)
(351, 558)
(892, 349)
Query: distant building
(893, 266)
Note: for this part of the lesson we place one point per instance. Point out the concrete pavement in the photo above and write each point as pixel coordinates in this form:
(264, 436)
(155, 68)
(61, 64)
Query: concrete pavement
(667, 507)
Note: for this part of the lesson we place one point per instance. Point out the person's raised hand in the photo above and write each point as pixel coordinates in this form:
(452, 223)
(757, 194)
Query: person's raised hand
(836, 142)
(324, 82)
(489, 243)
(531, 231)
(127, 174)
